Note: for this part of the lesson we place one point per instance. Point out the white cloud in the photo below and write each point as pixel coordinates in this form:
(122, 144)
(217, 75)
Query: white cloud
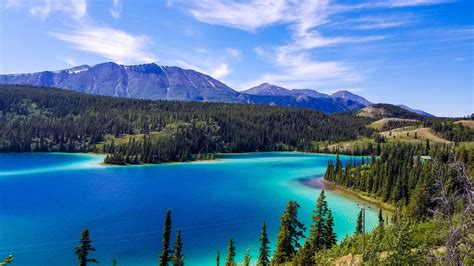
(116, 9)
(234, 53)
(70, 61)
(116, 45)
(75, 8)
(220, 71)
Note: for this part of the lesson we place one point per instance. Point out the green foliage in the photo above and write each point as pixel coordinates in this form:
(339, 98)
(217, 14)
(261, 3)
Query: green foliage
(40, 119)
(450, 131)
(218, 258)
(247, 257)
(264, 251)
(231, 252)
(165, 256)
(291, 231)
(7, 260)
(178, 257)
(360, 223)
(83, 249)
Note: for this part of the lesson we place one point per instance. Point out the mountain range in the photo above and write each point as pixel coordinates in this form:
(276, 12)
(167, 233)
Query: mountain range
(151, 81)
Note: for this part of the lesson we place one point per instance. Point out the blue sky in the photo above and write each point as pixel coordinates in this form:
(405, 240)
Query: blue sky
(416, 52)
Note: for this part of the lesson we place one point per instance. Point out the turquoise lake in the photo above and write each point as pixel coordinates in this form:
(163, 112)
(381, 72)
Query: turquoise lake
(47, 199)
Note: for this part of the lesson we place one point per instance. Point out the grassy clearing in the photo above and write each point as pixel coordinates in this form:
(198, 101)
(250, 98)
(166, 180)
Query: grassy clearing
(466, 123)
(379, 124)
(412, 135)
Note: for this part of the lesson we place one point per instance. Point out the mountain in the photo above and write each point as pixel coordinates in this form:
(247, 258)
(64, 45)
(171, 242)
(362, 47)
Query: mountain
(416, 111)
(148, 81)
(151, 81)
(348, 96)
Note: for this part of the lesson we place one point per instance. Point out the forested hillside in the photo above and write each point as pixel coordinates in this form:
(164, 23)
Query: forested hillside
(145, 131)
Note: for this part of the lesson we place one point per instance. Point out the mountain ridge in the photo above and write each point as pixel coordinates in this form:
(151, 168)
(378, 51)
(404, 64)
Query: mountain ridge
(155, 82)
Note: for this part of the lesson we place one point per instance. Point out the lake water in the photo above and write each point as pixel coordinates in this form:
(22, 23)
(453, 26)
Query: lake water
(47, 199)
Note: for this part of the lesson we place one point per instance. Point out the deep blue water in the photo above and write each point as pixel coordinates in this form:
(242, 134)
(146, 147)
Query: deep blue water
(47, 199)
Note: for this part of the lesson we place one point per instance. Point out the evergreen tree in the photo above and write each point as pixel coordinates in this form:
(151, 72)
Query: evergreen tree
(230, 260)
(381, 220)
(218, 258)
(291, 230)
(165, 249)
(247, 257)
(114, 262)
(360, 223)
(317, 237)
(178, 257)
(82, 251)
(264, 251)
(402, 245)
(331, 238)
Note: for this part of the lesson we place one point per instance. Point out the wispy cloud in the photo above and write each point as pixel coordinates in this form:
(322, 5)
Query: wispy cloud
(109, 43)
(116, 9)
(75, 8)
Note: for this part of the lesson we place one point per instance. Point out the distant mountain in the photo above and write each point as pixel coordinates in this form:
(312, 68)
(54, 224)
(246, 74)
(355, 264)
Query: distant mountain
(148, 81)
(151, 81)
(416, 111)
(348, 96)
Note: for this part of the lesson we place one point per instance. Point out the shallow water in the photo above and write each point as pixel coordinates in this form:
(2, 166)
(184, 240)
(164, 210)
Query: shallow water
(47, 199)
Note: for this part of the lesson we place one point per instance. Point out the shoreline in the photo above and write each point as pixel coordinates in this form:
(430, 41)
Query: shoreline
(319, 182)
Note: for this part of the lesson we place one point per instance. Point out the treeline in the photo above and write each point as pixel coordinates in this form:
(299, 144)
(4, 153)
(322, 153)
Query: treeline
(392, 124)
(45, 119)
(403, 174)
(455, 132)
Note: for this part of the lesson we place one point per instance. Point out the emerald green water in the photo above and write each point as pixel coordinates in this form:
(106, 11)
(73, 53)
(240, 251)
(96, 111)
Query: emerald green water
(47, 199)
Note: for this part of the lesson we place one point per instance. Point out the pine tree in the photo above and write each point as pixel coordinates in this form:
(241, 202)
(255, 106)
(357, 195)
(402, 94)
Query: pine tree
(317, 237)
(360, 223)
(291, 230)
(165, 250)
(247, 257)
(230, 260)
(218, 258)
(264, 252)
(331, 238)
(178, 257)
(82, 251)
(381, 220)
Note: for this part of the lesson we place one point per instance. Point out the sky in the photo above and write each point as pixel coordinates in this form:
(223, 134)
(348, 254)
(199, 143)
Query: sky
(414, 52)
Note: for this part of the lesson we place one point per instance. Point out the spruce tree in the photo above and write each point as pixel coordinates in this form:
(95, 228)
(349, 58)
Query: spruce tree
(247, 257)
(291, 230)
(381, 220)
(331, 238)
(360, 223)
(264, 251)
(317, 237)
(165, 249)
(230, 260)
(178, 257)
(82, 251)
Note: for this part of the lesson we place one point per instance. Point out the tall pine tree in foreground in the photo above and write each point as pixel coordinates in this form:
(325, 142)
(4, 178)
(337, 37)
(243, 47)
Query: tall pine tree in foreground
(230, 260)
(331, 237)
(178, 257)
(85, 246)
(291, 230)
(321, 234)
(165, 250)
(360, 223)
(264, 251)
